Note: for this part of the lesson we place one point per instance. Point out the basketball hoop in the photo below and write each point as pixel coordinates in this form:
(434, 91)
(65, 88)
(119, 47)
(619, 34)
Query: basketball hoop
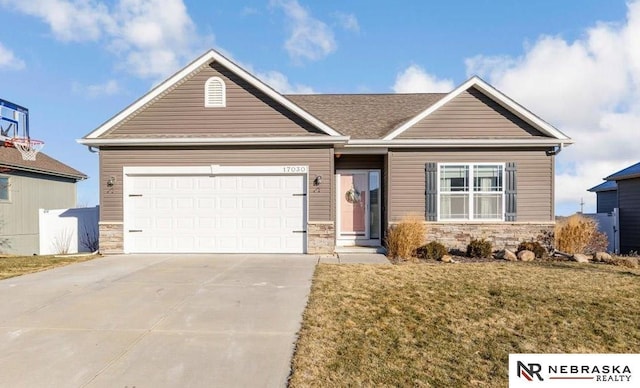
(29, 148)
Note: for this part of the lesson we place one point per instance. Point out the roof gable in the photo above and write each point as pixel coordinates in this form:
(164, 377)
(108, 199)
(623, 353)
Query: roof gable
(478, 84)
(471, 114)
(180, 76)
(182, 112)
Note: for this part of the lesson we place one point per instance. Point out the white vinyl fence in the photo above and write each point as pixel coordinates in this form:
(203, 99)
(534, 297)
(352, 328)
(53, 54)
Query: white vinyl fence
(608, 224)
(69, 230)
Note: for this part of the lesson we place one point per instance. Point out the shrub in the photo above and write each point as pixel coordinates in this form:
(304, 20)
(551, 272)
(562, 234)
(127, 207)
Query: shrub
(534, 247)
(574, 234)
(404, 238)
(479, 248)
(599, 243)
(432, 251)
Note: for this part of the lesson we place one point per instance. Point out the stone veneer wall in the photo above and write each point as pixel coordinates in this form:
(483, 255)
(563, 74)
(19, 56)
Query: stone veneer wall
(321, 237)
(111, 238)
(506, 234)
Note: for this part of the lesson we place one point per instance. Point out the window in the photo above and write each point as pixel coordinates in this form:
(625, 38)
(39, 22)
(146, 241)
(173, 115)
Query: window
(471, 192)
(215, 93)
(4, 188)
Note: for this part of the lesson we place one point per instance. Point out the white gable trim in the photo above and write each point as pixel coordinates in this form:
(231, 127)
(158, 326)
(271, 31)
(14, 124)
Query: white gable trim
(205, 59)
(495, 95)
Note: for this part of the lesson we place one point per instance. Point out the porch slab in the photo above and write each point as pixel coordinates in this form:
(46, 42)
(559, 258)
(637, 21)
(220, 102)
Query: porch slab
(362, 258)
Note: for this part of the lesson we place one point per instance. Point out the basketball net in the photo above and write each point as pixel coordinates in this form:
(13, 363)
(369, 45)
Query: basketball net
(29, 148)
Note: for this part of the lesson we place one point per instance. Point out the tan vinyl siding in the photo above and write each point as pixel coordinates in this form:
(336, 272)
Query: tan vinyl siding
(534, 179)
(471, 115)
(629, 205)
(19, 216)
(112, 160)
(181, 112)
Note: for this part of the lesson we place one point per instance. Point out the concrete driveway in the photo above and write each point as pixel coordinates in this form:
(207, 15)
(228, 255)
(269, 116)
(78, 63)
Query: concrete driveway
(154, 321)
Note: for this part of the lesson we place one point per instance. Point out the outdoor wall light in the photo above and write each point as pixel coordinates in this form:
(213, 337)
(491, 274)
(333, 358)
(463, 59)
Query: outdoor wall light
(111, 181)
(318, 180)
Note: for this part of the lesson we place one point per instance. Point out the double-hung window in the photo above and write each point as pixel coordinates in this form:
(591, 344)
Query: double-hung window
(471, 191)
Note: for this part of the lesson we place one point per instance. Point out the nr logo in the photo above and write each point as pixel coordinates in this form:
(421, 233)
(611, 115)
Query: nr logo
(528, 371)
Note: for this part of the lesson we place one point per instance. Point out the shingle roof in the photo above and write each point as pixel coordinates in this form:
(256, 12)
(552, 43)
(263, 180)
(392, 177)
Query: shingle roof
(44, 164)
(365, 116)
(604, 186)
(626, 173)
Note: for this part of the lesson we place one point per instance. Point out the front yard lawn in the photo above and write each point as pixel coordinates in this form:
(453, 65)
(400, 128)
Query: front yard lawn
(19, 265)
(455, 325)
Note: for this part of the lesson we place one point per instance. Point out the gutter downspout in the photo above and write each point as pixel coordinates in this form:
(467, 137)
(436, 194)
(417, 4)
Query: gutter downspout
(556, 150)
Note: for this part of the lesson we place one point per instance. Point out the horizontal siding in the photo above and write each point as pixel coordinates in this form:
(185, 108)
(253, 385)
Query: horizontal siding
(606, 201)
(629, 204)
(471, 115)
(19, 217)
(112, 161)
(349, 162)
(181, 112)
(534, 179)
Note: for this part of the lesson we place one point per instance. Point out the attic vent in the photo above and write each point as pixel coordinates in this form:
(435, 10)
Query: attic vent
(214, 93)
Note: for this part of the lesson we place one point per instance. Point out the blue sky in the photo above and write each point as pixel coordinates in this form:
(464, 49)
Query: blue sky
(76, 63)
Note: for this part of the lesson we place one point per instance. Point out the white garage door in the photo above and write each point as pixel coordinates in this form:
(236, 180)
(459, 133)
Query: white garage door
(225, 214)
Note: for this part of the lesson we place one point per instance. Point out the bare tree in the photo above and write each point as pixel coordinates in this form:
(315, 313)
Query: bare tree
(89, 237)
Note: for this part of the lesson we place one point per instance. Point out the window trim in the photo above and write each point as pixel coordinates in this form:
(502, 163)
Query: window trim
(8, 199)
(223, 92)
(471, 193)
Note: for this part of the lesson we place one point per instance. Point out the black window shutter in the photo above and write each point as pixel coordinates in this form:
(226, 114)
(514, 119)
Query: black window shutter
(431, 191)
(511, 192)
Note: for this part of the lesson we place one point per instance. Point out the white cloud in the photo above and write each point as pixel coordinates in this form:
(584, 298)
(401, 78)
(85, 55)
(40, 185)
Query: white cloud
(590, 89)
(310, 38)
(414, 79)
(279, 82)
(8, 59)
(348, 21)
(152, 38)
(108, 88)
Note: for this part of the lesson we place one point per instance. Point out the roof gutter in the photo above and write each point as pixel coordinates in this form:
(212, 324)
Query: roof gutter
(197, 141)
(467, 143)
(44, 172)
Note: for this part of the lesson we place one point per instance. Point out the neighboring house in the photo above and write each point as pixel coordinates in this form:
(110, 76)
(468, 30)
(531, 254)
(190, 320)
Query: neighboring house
(606, 196)
(214, 160)
(25, 187)
(622, 190)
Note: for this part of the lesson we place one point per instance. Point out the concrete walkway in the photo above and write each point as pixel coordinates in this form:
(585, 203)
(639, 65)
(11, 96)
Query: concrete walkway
(155, 321)
(355, 258)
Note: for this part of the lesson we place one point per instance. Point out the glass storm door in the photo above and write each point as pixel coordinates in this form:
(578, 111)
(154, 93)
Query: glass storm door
(358, 204)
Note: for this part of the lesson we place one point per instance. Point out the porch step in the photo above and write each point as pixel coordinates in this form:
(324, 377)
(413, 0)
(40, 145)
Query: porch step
(360, 249)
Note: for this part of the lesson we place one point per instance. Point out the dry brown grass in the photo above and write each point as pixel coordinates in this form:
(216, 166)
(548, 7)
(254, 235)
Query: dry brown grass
(455, 325)
(574, 233)
(404, 238)
(19, 265)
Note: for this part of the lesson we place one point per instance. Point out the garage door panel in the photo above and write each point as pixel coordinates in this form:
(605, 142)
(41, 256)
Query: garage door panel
(216, 214)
